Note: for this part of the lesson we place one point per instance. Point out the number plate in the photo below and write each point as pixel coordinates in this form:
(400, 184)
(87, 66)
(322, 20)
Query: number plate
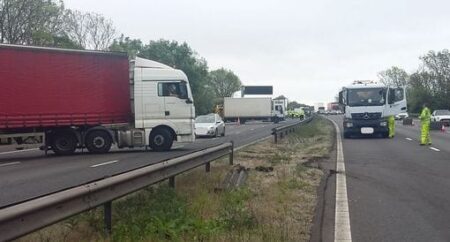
(366, 130)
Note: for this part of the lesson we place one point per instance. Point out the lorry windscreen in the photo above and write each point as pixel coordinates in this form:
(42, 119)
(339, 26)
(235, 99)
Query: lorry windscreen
(366, 97)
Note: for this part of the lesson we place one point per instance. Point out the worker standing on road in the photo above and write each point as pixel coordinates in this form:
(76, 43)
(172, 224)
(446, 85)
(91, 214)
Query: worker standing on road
(391, 126)
(425, 117)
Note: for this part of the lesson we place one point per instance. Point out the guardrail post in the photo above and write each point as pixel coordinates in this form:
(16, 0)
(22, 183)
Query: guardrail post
(107, 215)
(172, 182)
(208, 167)
(231, 157)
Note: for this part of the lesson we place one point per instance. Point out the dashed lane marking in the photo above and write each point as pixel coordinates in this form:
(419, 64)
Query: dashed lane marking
(342, 230)
(105, 163)
(10, 163)
(408, 139)
(17, 151)
(435, 149)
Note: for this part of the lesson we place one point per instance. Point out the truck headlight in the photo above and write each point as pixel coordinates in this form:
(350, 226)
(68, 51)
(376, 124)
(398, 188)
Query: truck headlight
(349, 125)
(383, 124)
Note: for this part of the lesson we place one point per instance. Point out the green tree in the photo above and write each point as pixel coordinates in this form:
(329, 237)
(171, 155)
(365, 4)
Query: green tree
(394, 76)
(224, 82)
(125, 44)
(437, 67)
(181, 56)
(36, 22)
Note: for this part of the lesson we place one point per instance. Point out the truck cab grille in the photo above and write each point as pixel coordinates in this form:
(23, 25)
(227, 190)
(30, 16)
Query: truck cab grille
(366, 116)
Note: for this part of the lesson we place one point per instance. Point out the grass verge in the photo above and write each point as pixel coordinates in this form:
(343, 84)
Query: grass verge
(273, 206)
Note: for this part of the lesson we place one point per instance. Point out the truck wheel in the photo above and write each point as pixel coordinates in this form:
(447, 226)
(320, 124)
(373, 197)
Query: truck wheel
(98, 141)
(161, 140)
(64, 143)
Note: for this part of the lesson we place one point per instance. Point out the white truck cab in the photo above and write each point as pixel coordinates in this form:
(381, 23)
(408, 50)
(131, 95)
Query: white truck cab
(280, 108)
(367, 106)
(162, 104)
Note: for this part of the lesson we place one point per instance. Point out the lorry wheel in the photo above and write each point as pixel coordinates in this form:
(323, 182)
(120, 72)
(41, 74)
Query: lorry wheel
(98, 141)
(64, 143)
(161, 140)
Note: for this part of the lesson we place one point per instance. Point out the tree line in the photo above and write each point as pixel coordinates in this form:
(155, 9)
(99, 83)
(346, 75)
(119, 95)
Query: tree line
(49, 23)
(429, 84)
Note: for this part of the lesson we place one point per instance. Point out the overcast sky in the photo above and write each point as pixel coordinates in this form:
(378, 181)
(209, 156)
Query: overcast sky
(306, 49)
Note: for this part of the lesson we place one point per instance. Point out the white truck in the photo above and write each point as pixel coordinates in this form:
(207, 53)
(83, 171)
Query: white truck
(246, 109)
(367, 106)
(280, 108)
(74, 99)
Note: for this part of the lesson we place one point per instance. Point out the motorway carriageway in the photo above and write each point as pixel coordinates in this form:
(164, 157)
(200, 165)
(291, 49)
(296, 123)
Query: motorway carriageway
(397, 190)
(28, 174)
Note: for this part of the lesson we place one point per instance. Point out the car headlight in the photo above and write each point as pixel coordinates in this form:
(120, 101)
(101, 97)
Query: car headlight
(349, 125)
(383, 124)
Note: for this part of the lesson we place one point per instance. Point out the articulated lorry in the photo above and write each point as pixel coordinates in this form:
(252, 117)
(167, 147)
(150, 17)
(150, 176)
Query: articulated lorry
(367, 106)
(246, 109)
(74, 99)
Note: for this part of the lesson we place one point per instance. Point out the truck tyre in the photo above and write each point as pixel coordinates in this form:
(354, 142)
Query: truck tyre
(64, 143)
(161, 140)
(98, 141)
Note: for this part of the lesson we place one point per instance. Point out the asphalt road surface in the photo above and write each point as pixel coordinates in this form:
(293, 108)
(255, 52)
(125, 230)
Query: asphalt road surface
(28, 174)
(397, 189)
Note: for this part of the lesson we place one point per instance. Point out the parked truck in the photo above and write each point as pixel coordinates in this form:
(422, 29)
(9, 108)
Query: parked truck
(74, 99)
(245, 109)
(367, 106)
(280, 108)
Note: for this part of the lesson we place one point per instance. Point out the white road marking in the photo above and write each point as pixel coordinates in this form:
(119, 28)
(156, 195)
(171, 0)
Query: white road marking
(408, 139)
(435, 149)
(17, 151)
(342, 230)
(105, 163)
(252, 129)
(10, 163)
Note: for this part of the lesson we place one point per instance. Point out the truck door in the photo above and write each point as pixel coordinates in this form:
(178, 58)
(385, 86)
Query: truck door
(177, 104)
(396, 101)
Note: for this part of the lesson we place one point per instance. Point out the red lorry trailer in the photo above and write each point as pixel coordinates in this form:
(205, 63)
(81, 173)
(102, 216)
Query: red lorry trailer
(54, 92)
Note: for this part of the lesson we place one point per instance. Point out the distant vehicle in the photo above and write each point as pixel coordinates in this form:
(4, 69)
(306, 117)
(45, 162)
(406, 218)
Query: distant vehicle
(209, 125)
(280, 108)
(75, 99)
(321, 110)
(368, 105)
(246, 109)
(334, 112)
(441, 116)
(401, 116)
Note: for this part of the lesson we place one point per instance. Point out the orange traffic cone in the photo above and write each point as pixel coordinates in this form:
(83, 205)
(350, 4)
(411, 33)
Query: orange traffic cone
(443, 128)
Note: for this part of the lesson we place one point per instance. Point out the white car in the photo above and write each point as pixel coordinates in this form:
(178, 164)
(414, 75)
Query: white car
(441, 116)
(401, 116)
(210, 125)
